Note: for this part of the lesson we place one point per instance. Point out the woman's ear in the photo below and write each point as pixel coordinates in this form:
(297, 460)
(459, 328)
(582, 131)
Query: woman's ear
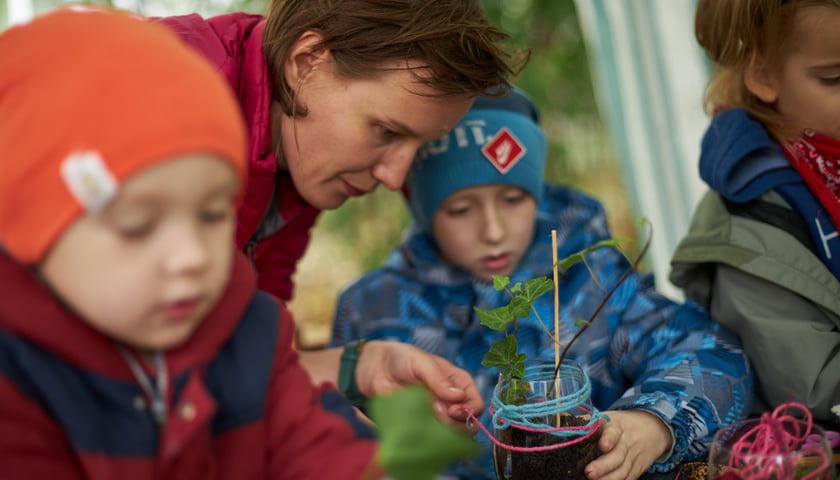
(304, 56)
(760, 81)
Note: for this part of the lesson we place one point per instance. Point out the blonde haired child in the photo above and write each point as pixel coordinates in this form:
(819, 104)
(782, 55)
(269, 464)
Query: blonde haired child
(763, 252)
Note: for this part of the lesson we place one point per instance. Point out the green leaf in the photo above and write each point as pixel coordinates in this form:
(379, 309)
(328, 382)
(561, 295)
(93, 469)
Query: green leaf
(497, 319)
(501, 354)
(500, 282)
(516, 288)
(536, 287)
(581, 322)
(571, 260)
(517, 368)
(414, 444)
(519, 307)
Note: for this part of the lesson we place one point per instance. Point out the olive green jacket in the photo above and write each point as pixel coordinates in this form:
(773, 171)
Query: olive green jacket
(761, 282)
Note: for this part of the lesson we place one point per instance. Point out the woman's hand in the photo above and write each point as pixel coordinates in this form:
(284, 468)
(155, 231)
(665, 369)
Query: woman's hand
(387, 366)
(630, 443)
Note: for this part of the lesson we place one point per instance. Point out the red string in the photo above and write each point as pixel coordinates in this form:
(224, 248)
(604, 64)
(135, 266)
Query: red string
(769, 438)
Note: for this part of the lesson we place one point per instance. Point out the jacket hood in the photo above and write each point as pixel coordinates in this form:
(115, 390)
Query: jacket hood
(740, 160)
(560, 208)
(28, 309)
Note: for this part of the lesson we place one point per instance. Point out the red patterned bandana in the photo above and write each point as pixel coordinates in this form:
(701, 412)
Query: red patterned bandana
(817, 159)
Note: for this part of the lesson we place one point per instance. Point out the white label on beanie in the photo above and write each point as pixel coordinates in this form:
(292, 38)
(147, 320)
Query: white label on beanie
(88, 179)
(504, 150)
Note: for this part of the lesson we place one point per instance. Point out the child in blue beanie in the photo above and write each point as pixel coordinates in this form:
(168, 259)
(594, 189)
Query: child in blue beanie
(666, 374)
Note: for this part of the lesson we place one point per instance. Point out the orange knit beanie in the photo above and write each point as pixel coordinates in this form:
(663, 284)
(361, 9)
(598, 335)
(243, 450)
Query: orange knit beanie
(88, 98)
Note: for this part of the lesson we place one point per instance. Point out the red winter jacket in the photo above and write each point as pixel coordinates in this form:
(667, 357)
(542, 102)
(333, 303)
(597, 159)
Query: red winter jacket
(233, 42)
(240, 405)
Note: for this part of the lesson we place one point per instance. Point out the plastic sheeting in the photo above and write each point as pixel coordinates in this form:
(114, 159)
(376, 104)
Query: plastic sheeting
(649, 76)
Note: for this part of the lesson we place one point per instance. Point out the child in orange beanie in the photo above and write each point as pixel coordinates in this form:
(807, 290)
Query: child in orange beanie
(133, 343)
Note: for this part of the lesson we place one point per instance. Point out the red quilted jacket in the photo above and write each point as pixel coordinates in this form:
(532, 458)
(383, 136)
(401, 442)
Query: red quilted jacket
(240, 405)
(233, 42)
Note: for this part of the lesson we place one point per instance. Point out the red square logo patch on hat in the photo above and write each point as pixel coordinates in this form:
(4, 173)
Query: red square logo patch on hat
(503, 150)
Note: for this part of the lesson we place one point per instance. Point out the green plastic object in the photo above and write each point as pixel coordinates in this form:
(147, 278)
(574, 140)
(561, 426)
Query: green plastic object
(414, 444)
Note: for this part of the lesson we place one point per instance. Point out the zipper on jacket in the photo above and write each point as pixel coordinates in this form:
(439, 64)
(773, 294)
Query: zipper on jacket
(249, 252)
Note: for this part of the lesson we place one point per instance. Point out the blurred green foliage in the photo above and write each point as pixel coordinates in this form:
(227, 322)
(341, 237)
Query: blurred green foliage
(558, 73)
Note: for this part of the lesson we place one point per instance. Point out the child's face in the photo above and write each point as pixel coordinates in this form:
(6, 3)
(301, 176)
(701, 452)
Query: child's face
(147, 268)
(486, 229)
(807, 85)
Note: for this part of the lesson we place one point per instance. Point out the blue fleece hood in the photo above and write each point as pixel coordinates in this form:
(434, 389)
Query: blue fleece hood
(740, 160)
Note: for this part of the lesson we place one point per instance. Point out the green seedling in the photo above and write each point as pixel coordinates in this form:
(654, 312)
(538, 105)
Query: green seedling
(504, 353)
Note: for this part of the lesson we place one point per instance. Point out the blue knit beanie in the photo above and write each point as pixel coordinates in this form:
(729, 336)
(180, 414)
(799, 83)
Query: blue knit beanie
(498, 141)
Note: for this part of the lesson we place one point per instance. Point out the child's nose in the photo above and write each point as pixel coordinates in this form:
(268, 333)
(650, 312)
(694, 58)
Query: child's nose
(188, 252)
(493, 230)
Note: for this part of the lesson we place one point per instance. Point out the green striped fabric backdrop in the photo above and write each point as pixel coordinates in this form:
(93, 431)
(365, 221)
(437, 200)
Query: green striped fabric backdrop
(649, 77)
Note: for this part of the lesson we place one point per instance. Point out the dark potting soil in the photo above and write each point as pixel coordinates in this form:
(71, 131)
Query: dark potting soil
(566, 463)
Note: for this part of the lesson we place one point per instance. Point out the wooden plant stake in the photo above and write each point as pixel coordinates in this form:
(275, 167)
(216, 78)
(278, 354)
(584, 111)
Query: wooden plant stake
(556, 315)
(556, 300)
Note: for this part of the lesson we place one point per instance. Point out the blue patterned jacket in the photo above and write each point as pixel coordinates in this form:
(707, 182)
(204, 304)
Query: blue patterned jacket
(642, 351)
